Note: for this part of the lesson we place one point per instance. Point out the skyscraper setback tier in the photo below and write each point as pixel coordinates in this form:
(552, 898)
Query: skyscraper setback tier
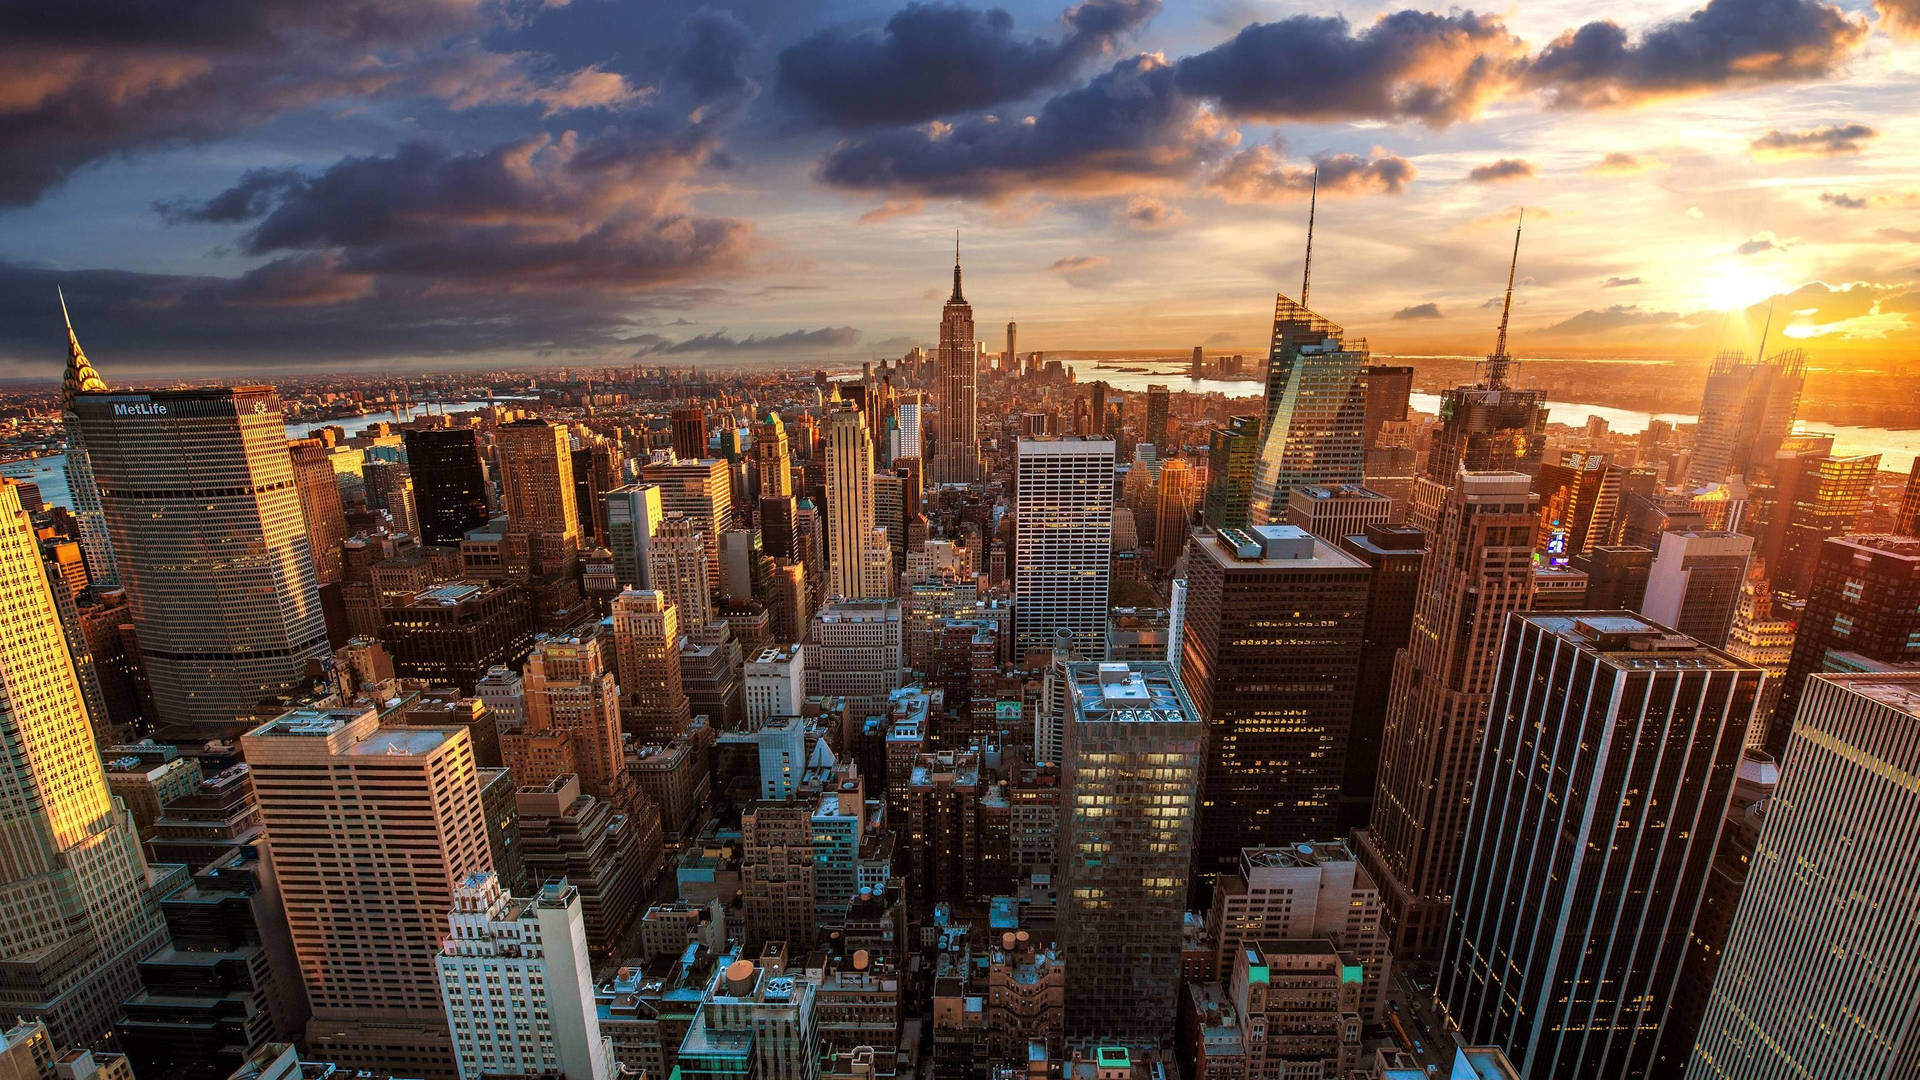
(1609, 759)
(1479, 568)
(199, 497)
(72, 880)
(1315, 410)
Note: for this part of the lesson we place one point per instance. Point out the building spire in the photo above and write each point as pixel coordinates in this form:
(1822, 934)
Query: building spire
(1765, 329)
(1498, 361)
(956, 298)
(1313, 204)
(80, 376)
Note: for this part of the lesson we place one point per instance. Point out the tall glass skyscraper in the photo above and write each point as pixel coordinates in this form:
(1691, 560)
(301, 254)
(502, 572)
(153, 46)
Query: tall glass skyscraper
(200, 501)
(1062, 543)
(1316, 410)
(73, 883)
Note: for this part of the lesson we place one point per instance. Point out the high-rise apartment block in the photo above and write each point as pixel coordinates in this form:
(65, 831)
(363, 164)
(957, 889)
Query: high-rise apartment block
(1829, 885)
(1863, 607)
(1272, 644)
(1315, 412)
(1063, 542)
(776, 681)
(1134, 750)
(72, 879)
(1609, 758)
(854, 650)
(1303, 892)
(344, 799)
(211, 545)
(1479, 568)
(518, 985)
(677, 567)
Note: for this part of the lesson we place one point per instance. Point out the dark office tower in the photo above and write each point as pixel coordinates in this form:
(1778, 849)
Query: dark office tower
(1862, 609)
(1694, 585)
(1314, 412)
(1159, 433)
(596, 471)
(1745, 414)
(689, 434)
(207, 532)
(1828, 494)
(955, 446)
(449, 483)
(1388, 388)
(1478, 570)
(1579, 503)
(1133, 751)
(1010, 363)
(1269, 653)
(1818, 975)
(1733, 848)
(1908, 523)
(776, 517)
(1616, 576)
(96, 545)
(1609, 758)
(450, 634)
(1393, 554)
(1488, 426)
(1231, 453)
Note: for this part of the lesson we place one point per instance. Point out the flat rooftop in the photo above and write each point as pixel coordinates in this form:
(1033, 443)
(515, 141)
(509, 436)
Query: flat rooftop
(1897, 691)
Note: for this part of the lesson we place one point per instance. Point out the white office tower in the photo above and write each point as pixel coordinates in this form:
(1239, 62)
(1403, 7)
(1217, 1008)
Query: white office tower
(518, 986)
(1062, 543)
(906, 433)
(1820, 968)
(776, 683)
(504, 694)
(851, 573)
(73, 885)
(634, 513)
(1176, 621)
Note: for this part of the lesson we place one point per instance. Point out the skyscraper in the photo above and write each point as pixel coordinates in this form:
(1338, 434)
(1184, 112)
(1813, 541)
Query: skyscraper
(320, 506)
(517, 984)
(1010, 363)
(850, 510)
(1315, 410)
(1488, 426)
(1478, 569)
(199, 498)
(345, 800)
(1231, 453)
(1694, 585)
(536, 490)
(1134, 749)
(96, 543)
(1830, 883)
(1388, 388)
(1159, 432)
(72, 879)
(646, 637)
(1063, 542)
(1746, 412)
(1607, 764)
(572, 705)
(1173, 505)
(774, 459)
(1827, 494)
(956, 443)
(677, 566)
(1394, 555)
(1272, 644)
(701, 489)
(634, 513)
(1579, 502)
(1863, 608)
(689, 433)
(450, 482)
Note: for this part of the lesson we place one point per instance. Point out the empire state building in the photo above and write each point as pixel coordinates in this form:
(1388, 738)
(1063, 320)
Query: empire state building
(956, 437)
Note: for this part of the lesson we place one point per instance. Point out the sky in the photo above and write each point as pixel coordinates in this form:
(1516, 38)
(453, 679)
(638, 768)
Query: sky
(278, 185)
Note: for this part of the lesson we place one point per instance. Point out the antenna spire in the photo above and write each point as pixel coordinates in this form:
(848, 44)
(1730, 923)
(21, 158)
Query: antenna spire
(1498, 361)
(1313, 204)
(1766, 328)
(956, 298)
(79, 376)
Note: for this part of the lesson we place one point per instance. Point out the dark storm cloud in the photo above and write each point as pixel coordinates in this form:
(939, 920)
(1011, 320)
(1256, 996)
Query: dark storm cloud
(719, 341)
(1830, 141)
(1727, 43)
(1418, 311)
(295, 313)
(255, 194)
(1261, 174)
(1843, 201)
(1504, 169)
(710, 55)
(933, 60)
(79, 85)
(1617, 317)
(1412, 65)
(1128, 124)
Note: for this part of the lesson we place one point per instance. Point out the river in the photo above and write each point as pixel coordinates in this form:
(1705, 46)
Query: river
(1897, 447)
(50, 472)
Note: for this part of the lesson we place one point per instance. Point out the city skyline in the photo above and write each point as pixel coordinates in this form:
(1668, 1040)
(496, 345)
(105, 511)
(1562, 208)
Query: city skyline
(462, 185)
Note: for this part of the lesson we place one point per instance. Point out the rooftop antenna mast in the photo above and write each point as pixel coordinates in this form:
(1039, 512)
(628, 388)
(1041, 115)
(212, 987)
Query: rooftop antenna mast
(1313, 204)
(1765, 329)
(1498, 361)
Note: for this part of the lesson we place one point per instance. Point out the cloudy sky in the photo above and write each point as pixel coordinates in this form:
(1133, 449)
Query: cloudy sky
(252, 185)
